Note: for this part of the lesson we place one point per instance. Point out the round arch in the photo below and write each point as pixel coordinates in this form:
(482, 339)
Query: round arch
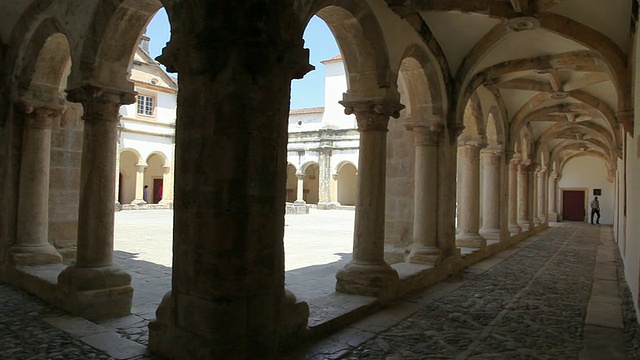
(360, 39)
(347, 178)
(154, 177)
(129, 160)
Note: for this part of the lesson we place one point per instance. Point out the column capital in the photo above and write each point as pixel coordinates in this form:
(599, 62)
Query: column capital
(427, 135)
(553, 175)
(166, 169)
(523, 167)
(39, 115)
(141, 167)
(372, 114)
(300, 176)
(101, 103)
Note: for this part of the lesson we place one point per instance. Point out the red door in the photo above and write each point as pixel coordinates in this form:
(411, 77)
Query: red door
(157, 190)
(573, 205)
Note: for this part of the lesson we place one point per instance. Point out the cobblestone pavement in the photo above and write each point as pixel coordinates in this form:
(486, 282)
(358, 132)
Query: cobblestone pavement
(530, 306)
(25, 335)
(531, 303)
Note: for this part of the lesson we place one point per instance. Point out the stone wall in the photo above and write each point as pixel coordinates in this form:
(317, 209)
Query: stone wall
(64, 182)
(399, 191)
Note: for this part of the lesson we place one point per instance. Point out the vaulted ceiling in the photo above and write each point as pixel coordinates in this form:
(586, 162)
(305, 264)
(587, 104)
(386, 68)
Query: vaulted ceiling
(557, 68)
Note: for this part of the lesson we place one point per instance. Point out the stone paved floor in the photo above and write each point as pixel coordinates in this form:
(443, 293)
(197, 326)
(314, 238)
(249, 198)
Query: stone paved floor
(529, 302)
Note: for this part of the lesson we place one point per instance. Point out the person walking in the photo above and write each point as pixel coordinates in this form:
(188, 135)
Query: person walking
(595, 210)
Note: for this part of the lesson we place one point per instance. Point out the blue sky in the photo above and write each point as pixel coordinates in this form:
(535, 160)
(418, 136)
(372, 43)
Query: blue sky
(307, 92)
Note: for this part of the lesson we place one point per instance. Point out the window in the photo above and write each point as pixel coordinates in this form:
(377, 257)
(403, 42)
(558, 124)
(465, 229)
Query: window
(145, 105)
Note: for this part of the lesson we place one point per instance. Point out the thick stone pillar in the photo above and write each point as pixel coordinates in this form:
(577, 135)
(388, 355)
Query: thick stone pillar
(32, 245)
(491, 194)
(523, 196)
(300, 188)
(324, 180)
(228, 297)
(139, 199)
(425, 215)
(542, 195)
(469, 200)
(367, 273)
(514, 228)
(553, 202)
(95, 287)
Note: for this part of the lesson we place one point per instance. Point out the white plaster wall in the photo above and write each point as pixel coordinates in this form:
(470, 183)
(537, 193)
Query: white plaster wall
(147, 144)
(310, 122)
(591, 173)
(335, 85)
(632, 220)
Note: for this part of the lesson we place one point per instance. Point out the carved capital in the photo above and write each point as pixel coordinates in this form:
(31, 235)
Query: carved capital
(166, 169)
(523, 167)
(140, 167)
(626, 119)
(38, 116)
(100, 103)
(427, 135)
(372, 114)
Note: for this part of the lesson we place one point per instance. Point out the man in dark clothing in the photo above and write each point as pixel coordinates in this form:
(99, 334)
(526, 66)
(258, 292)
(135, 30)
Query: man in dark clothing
(595, 210)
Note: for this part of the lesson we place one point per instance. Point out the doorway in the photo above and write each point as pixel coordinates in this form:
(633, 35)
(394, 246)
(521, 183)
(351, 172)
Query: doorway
(157, 190)
(573, 205)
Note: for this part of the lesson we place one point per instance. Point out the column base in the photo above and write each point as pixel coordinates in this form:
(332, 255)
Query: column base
(299, 202)
(167, 203)
(35, 255)
(293, 319)
(542, 219)
(96, 293)
(514, 229)
(470, 240)
(117, 206)
(216, 334)
(491, 234)
(138, 202)
(421, 254)
(326, 205)
(368, 279)
(524, 225)
(553, 217)
(536, 222)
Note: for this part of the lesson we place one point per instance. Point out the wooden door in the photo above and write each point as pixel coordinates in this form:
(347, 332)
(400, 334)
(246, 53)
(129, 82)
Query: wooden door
(573, 205)
(157, 190)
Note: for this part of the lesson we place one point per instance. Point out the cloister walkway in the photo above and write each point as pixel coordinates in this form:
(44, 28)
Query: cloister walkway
(557, 295)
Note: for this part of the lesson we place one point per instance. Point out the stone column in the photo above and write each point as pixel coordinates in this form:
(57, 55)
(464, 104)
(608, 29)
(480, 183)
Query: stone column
(139, 200)
(300, 193)
(425, 215)
(542, 195)
(523, 196)
(514, 228)
(167, 186)
(367, 273)
(32, 245)
(228, 297)
(96, 287)
(534, 196)
(469, 200)
(491, 194)
(118, 206)
(324, 179)
(553, 202)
